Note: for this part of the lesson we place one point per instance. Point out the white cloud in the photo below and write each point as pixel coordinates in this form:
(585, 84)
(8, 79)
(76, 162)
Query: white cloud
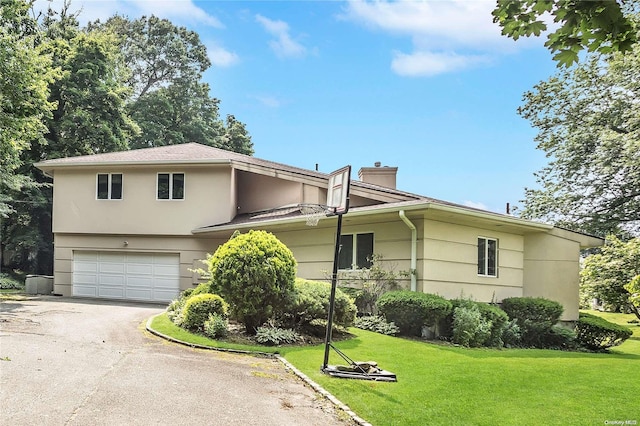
(427, 64)
(476, 205)
(269, 101)
(182, 12)
(446, 36)
(283, 45)
(179, 10)
(221, 57)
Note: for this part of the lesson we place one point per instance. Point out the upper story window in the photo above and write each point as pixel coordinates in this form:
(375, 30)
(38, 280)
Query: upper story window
(356, 251)
(109, 186)
(487, 257)
(170, 186)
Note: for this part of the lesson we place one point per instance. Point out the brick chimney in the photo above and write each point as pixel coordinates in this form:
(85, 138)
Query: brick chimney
(378, 175)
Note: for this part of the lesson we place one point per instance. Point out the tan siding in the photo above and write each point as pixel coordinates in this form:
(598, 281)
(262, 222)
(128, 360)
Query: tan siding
(450, 254)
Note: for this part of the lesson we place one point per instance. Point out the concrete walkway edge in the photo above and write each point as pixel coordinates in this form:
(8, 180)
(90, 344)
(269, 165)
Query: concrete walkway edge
(335, 401)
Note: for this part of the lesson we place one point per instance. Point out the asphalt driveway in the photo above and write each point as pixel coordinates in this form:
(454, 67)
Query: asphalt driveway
(85, 362)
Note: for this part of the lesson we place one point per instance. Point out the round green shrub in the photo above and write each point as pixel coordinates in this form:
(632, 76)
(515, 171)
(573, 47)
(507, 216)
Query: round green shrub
(535, 316)
(311, 302)
(198, 308)
(410, 310)
(598, 334)
(255, 274)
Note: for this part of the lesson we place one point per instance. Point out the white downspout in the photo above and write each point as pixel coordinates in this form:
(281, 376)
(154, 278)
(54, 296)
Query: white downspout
(414, 249)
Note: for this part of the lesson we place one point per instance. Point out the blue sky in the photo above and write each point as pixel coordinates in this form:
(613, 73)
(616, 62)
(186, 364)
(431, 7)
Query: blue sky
(428, 86)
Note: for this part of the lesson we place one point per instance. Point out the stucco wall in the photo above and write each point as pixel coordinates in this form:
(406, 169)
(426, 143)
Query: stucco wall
(552, 271)
(450, 256)
(76, 209)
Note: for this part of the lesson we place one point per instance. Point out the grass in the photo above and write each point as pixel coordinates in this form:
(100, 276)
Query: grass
(440, 384)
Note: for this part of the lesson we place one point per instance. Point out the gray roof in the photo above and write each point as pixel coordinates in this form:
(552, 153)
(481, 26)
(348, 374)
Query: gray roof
(195, 153)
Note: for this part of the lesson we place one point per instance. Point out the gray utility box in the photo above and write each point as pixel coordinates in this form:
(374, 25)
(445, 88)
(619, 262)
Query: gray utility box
(39, 284)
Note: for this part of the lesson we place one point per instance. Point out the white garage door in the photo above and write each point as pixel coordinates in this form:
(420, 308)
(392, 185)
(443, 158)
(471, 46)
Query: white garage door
(132, 276)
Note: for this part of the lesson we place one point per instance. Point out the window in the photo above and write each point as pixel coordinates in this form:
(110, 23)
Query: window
(487, 257)
(356, 251)
(170, 186)
(109, 186)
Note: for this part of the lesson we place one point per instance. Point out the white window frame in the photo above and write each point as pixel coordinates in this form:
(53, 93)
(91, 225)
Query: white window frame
(110, 186)
(184, 186)
(486, 257)
(354, 254)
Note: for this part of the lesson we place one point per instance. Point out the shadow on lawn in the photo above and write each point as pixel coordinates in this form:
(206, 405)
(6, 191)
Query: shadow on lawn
(359, 344)
(533, 353)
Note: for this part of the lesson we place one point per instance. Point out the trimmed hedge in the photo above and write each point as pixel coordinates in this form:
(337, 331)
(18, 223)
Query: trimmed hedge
(535, 316)
(410, 310)
(491, 314)
(311, 302)
(197, 309)
(598, 334)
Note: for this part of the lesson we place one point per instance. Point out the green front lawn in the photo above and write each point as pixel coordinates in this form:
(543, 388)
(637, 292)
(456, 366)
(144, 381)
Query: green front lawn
(440, 384)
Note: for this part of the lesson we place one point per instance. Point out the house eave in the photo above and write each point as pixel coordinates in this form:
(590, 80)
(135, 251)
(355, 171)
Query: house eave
(408, 206)
(49, 167)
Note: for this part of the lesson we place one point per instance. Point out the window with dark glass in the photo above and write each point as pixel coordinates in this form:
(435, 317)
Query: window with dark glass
(170, 186)
(487, 257)
(109, 186)
(356, 251)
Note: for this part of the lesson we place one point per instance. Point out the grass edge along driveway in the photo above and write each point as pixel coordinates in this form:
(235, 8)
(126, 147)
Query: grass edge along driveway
(441, 384)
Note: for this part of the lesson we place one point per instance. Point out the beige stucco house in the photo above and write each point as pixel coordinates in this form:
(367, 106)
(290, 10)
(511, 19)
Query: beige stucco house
(135, 224)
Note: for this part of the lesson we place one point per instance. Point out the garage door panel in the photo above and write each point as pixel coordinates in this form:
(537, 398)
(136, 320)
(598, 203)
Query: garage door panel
(85, 291)
(111, 292)
(168, 270)
(83, 279)
(163, 283)
(139, 269)
(133, 281)
(111, 268)
(136, 276)
(139, 294)
(164, 296)
(111, 280)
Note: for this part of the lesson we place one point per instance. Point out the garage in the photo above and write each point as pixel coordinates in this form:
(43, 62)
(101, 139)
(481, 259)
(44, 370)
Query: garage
(150, 277)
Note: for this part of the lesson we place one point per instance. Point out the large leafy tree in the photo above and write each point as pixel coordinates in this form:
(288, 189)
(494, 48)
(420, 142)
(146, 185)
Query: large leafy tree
(588, 119)
(157, 52)
(595, 25)
(89, 117)
(25, 74)
(611, 276)
(169, 101)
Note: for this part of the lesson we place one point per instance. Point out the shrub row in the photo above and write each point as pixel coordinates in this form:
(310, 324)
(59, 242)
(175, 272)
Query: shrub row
(311, 302)
(522, 322)
(598, 334)
(410, 311)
